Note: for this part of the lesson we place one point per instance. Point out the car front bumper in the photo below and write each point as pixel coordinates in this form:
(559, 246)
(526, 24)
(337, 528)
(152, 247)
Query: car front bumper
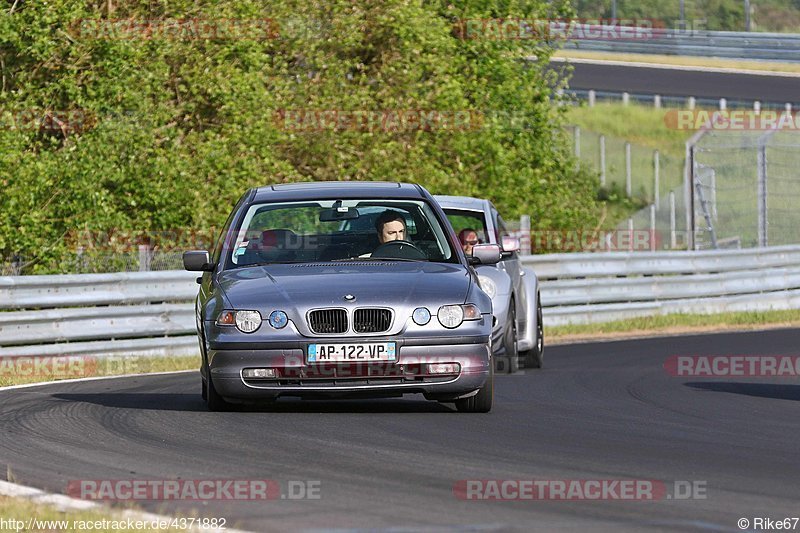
(404, 376)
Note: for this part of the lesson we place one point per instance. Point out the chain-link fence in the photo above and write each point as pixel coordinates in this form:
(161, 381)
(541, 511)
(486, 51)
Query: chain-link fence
(142, 260)
(631, 169)
(746, 188)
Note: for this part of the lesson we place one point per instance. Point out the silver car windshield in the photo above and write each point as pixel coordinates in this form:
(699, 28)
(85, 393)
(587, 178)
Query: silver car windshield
(340, 230)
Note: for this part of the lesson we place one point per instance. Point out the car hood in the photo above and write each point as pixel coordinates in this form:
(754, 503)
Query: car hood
(299, 287)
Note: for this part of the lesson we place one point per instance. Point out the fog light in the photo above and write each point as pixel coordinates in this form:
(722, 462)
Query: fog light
(259, 373)
(278, 319)
(421, 316)
(443, 368)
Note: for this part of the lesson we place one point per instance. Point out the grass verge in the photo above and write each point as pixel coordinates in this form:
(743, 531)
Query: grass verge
(49, 518)
(673, 325)
(686, 61)
(23, 370)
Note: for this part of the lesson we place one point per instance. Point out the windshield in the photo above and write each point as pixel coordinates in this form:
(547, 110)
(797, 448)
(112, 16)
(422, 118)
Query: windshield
(340, 230)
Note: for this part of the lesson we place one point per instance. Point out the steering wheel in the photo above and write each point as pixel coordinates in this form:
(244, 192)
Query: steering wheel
(399, 250)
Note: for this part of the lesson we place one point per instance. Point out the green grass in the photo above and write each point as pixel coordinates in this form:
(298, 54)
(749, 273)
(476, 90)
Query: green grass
(674, 324)
(638, 124)
(69, 367)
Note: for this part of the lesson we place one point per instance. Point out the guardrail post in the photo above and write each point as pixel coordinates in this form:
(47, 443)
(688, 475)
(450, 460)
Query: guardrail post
(656, 169)
(628, 185)
(602, 160)
(672, 230)
(525, 234)
(630, 234)
(144, 258)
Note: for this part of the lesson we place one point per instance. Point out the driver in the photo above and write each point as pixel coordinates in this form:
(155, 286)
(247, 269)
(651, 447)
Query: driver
(391, 226)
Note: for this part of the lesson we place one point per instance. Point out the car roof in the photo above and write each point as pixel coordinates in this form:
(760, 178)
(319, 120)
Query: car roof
(462, 202)
(334, 190)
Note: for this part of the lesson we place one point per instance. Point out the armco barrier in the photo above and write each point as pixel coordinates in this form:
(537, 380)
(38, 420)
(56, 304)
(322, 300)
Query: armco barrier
(599, 287)
(152, 313)
(727, 44)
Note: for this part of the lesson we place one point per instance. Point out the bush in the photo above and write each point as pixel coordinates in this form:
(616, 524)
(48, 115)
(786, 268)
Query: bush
(167, 133)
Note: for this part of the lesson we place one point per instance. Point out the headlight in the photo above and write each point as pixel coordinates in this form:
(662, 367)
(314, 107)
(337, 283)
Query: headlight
(248, 321)
(421, 316)
(488, 286)
(451, 316)
(278, 319)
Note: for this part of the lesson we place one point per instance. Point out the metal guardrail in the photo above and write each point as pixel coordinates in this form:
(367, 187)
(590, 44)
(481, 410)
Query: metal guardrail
(727, 44)
(151, 313)
(583, 288)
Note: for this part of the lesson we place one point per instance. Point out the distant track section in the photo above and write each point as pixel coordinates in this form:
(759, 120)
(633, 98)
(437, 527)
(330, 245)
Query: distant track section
(669, 80)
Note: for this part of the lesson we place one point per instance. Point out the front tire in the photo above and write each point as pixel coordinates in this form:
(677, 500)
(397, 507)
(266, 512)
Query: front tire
(534, 358)
(482, 401)
(510, 346)
(214, 401)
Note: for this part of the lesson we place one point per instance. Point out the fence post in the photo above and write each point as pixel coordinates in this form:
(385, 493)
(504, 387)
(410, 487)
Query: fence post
(691, 103)
(657, 101)
(592, 96)
(602, 160)
(577, 141)
(144, 258)
(625, 98)
(762, 194)
(672, 233)
(723, 104)
(656, 170)
(652, 227)
(628, 185)
(525, 235)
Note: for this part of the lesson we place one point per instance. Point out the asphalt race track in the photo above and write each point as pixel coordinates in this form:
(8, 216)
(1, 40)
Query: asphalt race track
(674, 82)
(597, 411)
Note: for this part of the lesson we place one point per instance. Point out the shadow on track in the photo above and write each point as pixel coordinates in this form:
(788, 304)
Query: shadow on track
(193, 403)
(763, 390)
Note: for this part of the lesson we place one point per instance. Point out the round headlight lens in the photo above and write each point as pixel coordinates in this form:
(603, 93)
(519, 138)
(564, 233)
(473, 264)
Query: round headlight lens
(421, 316)
(248, 321)
(488, 286)
(451, 316)
(278, 319)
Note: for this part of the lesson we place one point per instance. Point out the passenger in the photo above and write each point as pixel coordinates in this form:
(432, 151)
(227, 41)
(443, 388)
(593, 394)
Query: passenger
(468, 239)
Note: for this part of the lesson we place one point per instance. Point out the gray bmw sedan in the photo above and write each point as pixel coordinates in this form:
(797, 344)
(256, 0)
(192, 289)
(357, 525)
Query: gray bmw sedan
(342, 290)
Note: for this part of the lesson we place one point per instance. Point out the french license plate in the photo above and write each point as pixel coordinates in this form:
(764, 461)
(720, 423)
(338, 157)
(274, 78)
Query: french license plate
(340, 353)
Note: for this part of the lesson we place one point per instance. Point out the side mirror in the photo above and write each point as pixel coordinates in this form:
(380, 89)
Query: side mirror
(485, 254)
(197, 261)
(510, 245)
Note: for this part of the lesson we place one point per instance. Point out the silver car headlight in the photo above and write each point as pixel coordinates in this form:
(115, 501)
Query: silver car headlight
(488, 286)
(452, 316)
(245, 321)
